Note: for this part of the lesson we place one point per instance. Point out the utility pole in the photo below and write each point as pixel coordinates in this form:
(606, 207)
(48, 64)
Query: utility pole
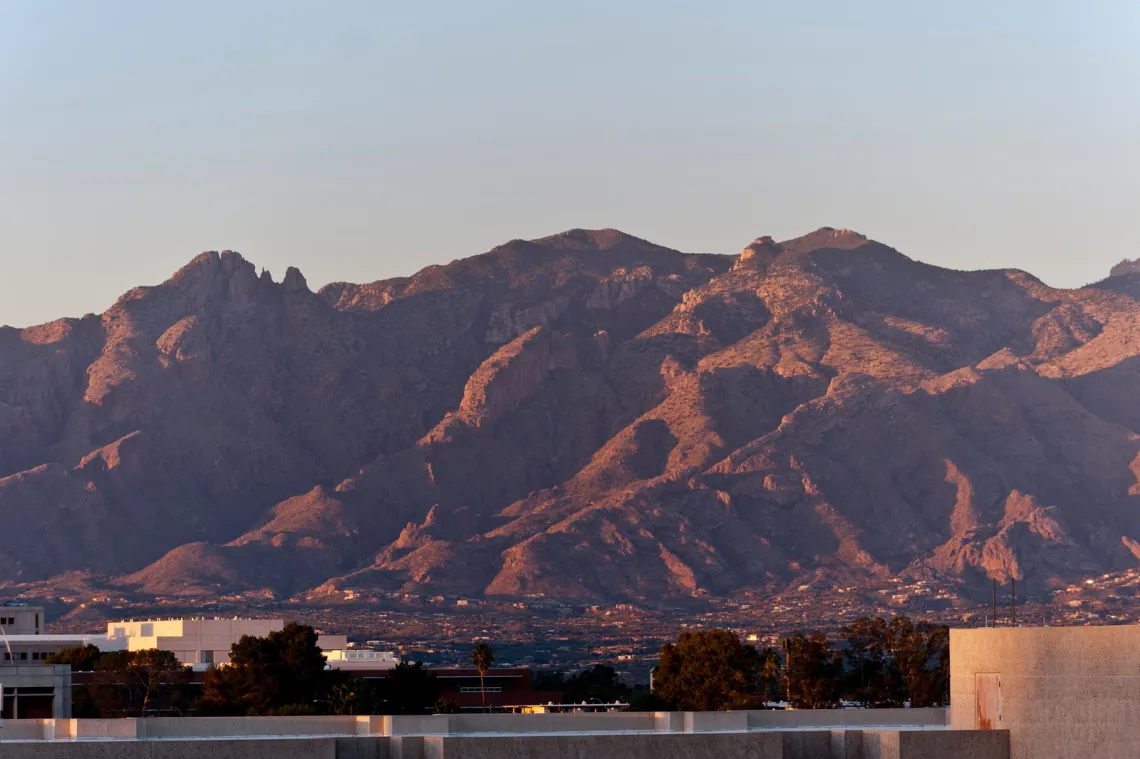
(1013, 599)
(994, 598)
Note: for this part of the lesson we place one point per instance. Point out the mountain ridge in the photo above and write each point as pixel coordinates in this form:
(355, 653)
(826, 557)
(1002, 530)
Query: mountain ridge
(586, 415)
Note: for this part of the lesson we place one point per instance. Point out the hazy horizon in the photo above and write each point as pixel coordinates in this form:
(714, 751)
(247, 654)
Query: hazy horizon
(359, 140)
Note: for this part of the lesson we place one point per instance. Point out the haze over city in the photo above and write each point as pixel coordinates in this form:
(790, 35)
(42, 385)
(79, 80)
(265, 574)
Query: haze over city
(361, 140)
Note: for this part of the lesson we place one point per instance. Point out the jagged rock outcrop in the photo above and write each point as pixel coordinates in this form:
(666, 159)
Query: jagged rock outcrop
(587, 415)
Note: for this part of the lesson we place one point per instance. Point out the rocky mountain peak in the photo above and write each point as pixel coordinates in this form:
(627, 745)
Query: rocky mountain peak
(592, 239)
(827, 238)
(294, 280)
(1125, 267)
(213, 264)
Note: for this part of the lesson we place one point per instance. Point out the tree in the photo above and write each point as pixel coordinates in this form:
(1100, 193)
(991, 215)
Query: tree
(771, 673)
(870, 677)
(353, 695)
(81, 658)
(446, 706)
(813, 670)
(282, 671)
(921, 654)
(138, 683)
(409, 688)
(708, 670)
(483, 658)
(599, 683)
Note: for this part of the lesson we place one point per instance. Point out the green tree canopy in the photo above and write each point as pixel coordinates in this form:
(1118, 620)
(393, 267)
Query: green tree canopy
(921, 655)
(282, 671)
(409, 688)
(81, 658)
(708, 670)
(870, 677)
(813, 670)
(599, 683)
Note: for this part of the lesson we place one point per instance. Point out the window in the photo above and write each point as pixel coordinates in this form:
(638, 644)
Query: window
(477, 689)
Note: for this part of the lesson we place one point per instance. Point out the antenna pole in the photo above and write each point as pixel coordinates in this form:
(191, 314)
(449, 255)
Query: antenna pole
(6, 645)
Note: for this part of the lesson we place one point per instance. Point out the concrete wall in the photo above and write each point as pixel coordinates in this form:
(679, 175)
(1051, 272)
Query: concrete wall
(465, 724)
(936, 744)
(742, 746)
(773, 744)
(474, 724)
(1061, 692)
(54, 676)
(312, 748)
(832, 718)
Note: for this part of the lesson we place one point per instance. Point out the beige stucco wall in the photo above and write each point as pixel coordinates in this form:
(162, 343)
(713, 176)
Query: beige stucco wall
(188, 638)
(1064, 692)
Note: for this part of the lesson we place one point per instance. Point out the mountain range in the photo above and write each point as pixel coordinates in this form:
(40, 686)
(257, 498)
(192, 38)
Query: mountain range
(583, 416)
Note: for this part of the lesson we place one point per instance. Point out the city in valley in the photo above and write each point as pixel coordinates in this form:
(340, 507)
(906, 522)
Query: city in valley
(556, 634)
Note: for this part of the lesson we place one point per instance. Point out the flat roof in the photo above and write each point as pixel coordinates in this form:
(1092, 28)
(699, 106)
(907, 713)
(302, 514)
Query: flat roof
(86, 638)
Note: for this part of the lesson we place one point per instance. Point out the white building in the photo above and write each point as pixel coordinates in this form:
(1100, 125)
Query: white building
(361, 659)
(202, 643)
(27, 650)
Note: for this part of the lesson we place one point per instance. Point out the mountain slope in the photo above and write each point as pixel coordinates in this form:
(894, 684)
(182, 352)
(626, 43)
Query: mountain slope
(587, 415)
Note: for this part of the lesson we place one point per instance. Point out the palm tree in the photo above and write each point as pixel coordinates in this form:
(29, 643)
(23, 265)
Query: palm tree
(483, 658)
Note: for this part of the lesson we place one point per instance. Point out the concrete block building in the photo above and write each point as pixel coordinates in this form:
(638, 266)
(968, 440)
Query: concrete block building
(35, 692)
(1060, 691)
(18, 619)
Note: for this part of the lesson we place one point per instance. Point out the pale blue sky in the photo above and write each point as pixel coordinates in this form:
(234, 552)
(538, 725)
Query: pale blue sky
(363, 139)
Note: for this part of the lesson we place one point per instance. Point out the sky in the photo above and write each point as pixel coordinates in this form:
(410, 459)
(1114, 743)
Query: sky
(364, 139)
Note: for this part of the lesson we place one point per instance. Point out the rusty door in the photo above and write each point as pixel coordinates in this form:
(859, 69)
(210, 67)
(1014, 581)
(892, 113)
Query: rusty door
(987, 692)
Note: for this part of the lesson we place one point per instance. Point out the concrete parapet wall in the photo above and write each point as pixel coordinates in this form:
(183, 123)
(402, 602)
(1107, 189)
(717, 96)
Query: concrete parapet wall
(311, 748)
(715, 722)
(805, 744)
(469, 724)
(936, 744)
(774, 744)
(648, 746)
(836, 718)
(209, 727)
(23, 730)
(363, 747)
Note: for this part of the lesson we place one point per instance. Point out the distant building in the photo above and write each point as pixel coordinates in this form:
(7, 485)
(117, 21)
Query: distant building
(203, 643)
(32, 689)
(505, 689)
(18, 619)
(31, 650)
(194, 641)
(40, 692)
(361, 659)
